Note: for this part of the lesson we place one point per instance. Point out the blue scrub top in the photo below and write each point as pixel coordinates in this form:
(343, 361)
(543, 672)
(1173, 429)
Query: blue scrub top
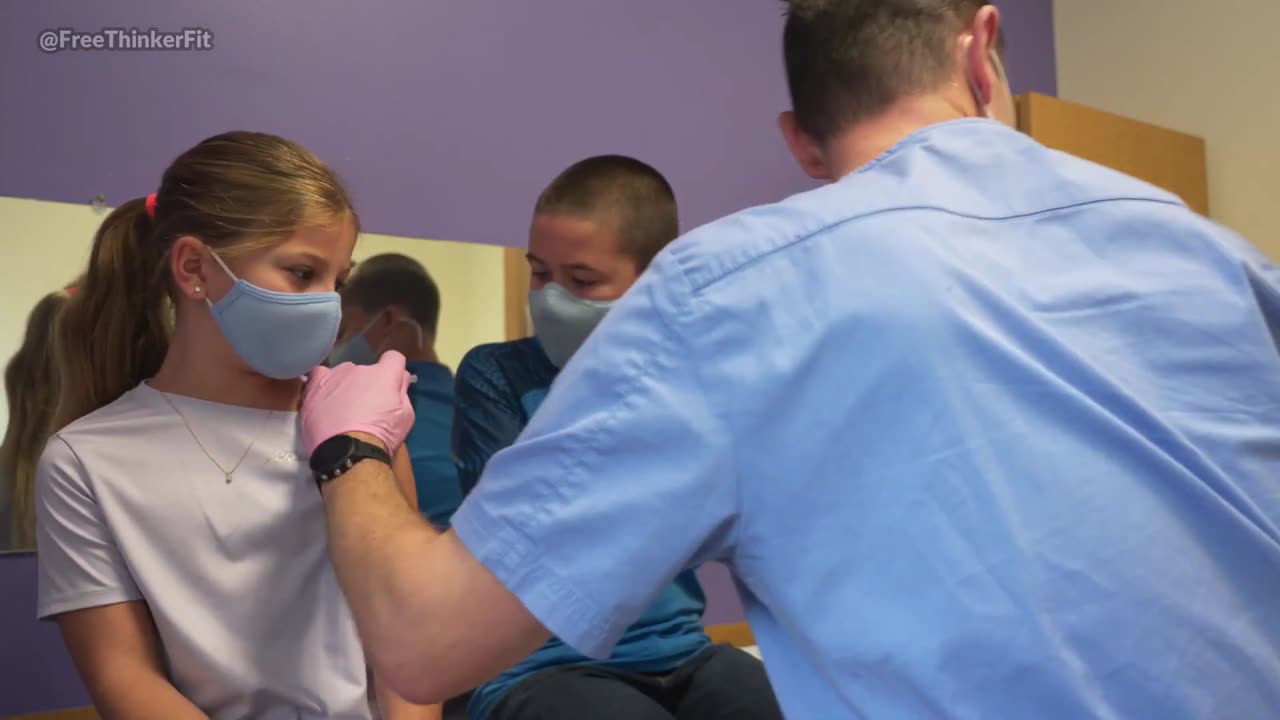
(434, 474)
(499, 388)
(982, 429)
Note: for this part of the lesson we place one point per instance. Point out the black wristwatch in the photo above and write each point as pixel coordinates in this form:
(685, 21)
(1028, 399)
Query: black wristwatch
(337, 455)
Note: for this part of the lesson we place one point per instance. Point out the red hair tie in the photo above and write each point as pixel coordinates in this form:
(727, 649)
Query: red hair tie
(151, 205)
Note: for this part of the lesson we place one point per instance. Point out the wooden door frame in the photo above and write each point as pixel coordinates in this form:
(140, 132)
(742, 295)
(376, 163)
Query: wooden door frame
(515, 292)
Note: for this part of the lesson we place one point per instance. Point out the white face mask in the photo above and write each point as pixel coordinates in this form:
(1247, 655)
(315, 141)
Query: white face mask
(984, 108)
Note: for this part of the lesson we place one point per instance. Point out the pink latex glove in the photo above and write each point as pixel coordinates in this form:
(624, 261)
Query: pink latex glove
(349, 398)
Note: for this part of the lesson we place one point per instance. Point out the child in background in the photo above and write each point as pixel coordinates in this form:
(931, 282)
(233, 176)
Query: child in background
(390, 302)
(594, 230)
(182, 541)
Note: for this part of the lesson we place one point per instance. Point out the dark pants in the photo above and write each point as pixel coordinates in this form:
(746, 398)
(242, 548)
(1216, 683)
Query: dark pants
(720, 683)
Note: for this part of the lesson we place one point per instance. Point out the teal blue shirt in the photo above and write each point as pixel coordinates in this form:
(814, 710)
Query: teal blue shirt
(434, 474)
(498, 389)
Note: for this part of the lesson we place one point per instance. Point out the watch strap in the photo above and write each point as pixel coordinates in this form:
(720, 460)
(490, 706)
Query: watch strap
(357, 450)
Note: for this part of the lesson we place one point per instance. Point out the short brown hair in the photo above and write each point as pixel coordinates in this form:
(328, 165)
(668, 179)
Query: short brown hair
(235, 192)
(630, 194)
(394, 279)
(848, 60)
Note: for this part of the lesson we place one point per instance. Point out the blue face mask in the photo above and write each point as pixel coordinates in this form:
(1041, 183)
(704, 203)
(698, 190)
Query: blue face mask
(562, 321)
(356, 351)
(359, 351)
(280, 335)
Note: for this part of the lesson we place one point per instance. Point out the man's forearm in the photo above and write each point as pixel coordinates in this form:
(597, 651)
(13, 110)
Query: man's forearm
(380, 549)
(435, 622)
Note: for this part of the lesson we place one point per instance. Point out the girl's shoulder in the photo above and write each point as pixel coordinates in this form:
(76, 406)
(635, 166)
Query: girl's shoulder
(118, 418)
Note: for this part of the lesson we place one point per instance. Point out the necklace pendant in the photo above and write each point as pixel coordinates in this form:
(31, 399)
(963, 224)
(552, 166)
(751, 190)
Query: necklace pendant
(228, 478)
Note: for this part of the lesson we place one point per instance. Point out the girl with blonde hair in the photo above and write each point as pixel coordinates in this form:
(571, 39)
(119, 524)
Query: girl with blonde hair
(182, 541)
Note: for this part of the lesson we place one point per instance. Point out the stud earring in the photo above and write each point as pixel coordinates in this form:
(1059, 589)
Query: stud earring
(197, 288)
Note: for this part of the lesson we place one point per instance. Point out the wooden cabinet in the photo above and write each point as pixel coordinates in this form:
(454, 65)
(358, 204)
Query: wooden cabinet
(1172, 160)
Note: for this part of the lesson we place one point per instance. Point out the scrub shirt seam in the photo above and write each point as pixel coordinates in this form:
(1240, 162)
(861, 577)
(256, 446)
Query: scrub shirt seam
(509, 549)
(826, 227)
(693, 293)
(915, 137)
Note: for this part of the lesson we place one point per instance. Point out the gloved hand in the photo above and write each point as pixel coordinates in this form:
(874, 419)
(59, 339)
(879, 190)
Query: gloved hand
(349, 398)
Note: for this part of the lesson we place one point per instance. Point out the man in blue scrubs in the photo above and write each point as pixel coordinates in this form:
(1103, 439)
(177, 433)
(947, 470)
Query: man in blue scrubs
(982, 429)
(390, 302)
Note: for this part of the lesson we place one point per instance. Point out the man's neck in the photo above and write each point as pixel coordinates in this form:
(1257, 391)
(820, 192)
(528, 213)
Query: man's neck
(871, 138)
(414, 344)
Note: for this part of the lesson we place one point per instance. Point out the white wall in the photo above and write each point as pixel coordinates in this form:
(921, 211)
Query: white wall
(1209, 69)
(44, 245)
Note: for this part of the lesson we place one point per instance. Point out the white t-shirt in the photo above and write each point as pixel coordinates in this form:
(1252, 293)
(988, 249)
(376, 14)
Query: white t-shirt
(237, 576)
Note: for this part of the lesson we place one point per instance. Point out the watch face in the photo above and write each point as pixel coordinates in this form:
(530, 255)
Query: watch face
(331, 452)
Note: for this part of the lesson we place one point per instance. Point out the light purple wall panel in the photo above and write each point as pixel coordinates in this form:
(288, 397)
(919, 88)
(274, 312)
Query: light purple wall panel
(445, 117)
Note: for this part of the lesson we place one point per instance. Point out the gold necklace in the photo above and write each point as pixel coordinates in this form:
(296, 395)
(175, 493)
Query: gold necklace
(225, 472)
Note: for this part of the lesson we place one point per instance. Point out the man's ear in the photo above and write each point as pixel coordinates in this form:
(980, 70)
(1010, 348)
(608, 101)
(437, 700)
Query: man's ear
(390, 315)
(981, 57)
(805, 149)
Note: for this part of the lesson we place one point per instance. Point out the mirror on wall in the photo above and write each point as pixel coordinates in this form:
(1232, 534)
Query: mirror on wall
(483, 291)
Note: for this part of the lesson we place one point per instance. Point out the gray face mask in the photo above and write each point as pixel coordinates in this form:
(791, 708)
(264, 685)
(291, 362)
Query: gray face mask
(562, 321)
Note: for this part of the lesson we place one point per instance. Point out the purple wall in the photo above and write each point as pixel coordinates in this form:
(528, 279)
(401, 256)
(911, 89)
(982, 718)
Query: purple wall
(35, 672)
(1028, 26)
(445, 117)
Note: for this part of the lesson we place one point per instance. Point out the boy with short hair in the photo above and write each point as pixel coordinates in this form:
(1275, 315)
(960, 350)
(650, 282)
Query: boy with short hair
(595, 228)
